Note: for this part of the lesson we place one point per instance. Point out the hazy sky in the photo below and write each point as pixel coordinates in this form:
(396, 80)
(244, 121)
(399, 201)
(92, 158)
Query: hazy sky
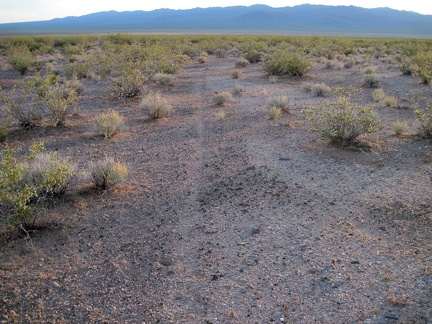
(33, 10)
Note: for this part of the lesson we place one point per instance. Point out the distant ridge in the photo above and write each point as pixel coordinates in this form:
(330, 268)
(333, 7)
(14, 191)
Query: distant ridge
(259, 19)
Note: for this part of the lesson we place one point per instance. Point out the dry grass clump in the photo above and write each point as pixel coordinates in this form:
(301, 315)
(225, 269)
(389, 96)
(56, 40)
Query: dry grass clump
(390, 101)
(221, 114)
(400, 127)
(241, 62)
(238, 89)
(280, 102)
(371, 70)
(320, 90)
(163, 78)
(273, 79)
(108, 124)
(273, 112)
(378, 95)
(108, 173)
(156, 105)
(237, 74)
(202, 59)
(222, 98)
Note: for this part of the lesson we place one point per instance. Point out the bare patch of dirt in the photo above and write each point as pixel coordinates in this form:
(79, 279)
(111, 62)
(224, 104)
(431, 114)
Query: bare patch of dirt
(239, 220)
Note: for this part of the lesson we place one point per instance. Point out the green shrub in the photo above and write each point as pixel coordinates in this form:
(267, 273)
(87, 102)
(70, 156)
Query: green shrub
(27, 179)
(425, 120)
(342, 122)
(273, 112)
(423, 70)
(127, 85)
(156, 105)
(108, 173)
(21, 106)
(20, 58)
(320, 90)
(60, 101)
(78, 70)
(109, 123)
(285, 63)
(372, 81)
(50, 174)
(222, 98)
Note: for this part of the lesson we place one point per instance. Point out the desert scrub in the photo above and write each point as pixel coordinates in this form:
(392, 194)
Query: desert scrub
(202, 59)
(280, 102)
(221, 114)
(273, 112)
(222, 98)
(378, 95)
(238, 89)
(163, 78)
(20, 105)
(108, 173)
(108, 124)
(342, 122)
(127, 84)
(50, 174)
(28, 178)
(423, 66)
(372, 81)
(286, 63)
(400, 127)
(425, 120)
(241, 62)
(60, 102)
(320, 90)
(371, 70)
(156, 105)
(237, 74)
(20, 58)
(273, 79)
(390, 101)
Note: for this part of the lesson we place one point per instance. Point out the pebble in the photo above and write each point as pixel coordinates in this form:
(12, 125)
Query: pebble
(391, 316)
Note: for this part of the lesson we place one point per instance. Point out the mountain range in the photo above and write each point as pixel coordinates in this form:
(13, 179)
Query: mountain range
(257, 19)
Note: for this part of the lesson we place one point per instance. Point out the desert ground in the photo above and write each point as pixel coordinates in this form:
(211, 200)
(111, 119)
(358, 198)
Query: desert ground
(233, 219)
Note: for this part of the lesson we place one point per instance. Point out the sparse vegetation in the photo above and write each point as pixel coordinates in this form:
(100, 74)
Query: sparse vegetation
(156, 105)
(400, 127)
(108, 124)
(222, 98)
(342, 122)
(320, 90)
(372, 81)
(390, 101)
(107, 173)
(237, 74)
(285, 63)
(273, 112)
(241, 62)
(425, 120)
(280, 102)
(378, 95)
(163, 78)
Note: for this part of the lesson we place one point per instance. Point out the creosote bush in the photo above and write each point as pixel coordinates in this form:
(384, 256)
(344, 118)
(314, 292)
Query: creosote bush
(108, 173)
(20, 58)
(342, 122)
(372, 81)
(222, 98)
(108, 124)
(425, 120)
(60, 101)
(286, 63)
(28, 179)
(156, 105)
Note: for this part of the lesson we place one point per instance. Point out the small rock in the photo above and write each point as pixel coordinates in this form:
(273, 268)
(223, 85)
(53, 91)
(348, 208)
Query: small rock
(391, 316)
(166, 262)
(255, 231)
(355, 262)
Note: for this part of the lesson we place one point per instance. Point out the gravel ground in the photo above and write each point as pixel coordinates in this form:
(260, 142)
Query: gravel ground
(239, 220)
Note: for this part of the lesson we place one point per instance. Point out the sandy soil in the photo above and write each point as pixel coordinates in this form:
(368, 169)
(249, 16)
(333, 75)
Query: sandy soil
(239, 220)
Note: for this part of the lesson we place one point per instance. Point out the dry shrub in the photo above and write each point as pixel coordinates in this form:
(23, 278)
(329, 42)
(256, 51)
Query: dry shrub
(108, 124)
(156, 105)
(108, 173)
